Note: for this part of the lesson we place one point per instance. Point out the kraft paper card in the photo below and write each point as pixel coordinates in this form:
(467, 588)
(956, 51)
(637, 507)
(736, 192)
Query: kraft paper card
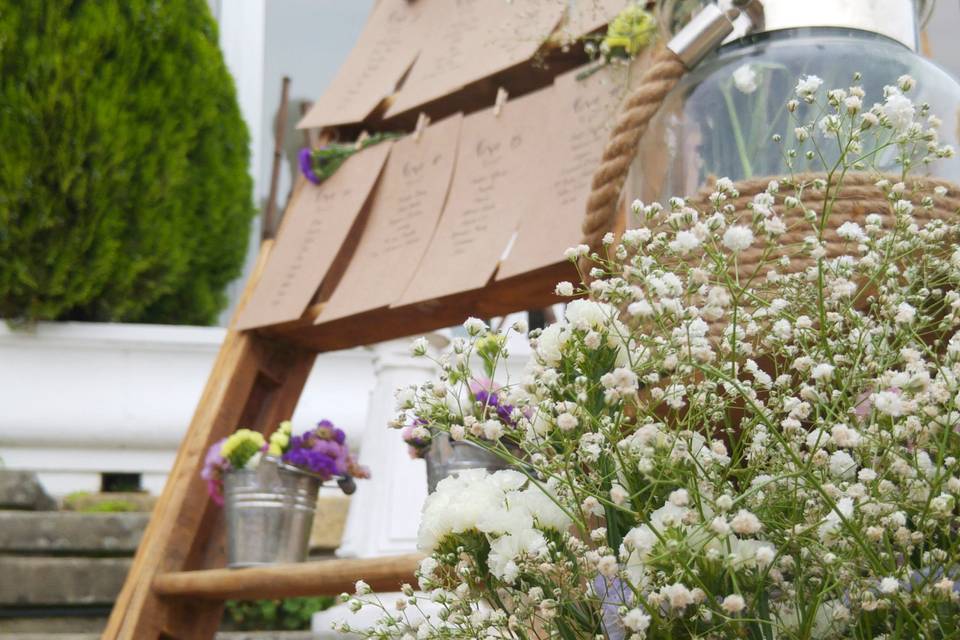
(496, 163)
(583, 110)
(585, 16)
(384, 52)
(472, 39)
(313, 229)
(403, 216)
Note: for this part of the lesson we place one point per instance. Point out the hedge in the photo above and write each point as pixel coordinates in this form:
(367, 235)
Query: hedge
(124, 189)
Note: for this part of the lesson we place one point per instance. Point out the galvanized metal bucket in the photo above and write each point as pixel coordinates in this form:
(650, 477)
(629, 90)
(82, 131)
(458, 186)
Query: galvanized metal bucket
(447, 457)
(269, 513)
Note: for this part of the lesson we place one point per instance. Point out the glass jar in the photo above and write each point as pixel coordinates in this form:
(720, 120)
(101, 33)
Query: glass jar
(721, 119)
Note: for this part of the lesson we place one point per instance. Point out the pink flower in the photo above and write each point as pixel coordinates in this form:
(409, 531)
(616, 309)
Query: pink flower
(483, 384)
(214, 466)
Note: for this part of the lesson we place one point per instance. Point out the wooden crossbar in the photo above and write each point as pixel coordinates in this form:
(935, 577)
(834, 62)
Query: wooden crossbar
(322, 578)
(534, 290)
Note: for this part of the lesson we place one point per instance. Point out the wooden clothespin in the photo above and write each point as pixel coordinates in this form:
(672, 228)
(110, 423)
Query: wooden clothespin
(423, 121)
(363, 137)
(501, 100)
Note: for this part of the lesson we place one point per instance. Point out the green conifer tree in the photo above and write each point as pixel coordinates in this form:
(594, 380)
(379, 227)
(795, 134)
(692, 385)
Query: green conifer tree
(124, 185)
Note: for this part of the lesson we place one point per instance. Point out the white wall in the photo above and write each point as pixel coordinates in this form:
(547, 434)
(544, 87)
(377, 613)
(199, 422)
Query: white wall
(81, 399)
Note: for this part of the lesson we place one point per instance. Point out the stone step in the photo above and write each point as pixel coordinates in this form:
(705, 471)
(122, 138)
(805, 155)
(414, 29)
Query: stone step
(70, 533)
(22, 490)
(44, 622)
(44, 581)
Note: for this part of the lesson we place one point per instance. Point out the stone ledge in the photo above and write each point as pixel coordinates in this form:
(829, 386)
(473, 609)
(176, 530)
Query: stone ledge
(60, 581)
(62, 532)
(22, 490)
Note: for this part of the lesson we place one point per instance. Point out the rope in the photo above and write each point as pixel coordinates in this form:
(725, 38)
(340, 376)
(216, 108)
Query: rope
(658, 80)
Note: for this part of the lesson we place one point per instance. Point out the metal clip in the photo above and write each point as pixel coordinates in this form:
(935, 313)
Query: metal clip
(501, 100)
(363, 137)
(423, 121)
(703, 34)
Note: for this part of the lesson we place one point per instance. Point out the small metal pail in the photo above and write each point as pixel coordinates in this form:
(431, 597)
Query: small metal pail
(447, 457)
(269, 513)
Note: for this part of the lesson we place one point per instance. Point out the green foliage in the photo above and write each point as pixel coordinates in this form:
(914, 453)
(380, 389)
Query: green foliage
(111, 506)
(291, 614)
(124, 192)
(86, 502)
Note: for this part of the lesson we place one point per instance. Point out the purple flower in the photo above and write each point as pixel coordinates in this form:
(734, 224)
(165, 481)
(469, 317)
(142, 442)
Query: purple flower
(490, 400)
(306, 165)
(323, 451)
(613, 594)
(313, 461)
(214, 466)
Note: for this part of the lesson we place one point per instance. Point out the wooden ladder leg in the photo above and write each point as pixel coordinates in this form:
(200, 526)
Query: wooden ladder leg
(254, 383)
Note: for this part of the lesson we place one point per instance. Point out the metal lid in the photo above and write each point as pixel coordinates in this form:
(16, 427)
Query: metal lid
(896, 19)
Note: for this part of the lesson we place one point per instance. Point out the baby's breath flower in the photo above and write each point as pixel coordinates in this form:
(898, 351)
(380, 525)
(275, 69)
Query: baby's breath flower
(745, 79)
(733, 604)
(419, 347)
(564, 289)
(737, 238)
(807, 87)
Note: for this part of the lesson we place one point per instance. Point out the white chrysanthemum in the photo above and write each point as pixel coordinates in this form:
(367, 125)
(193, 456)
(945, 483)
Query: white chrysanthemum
(745, 79)
(587, 314)
(459, 504)
(550, 343)
(508, 550)
(737, 238)
(507, 480)
(543, 508)
(506, 518)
